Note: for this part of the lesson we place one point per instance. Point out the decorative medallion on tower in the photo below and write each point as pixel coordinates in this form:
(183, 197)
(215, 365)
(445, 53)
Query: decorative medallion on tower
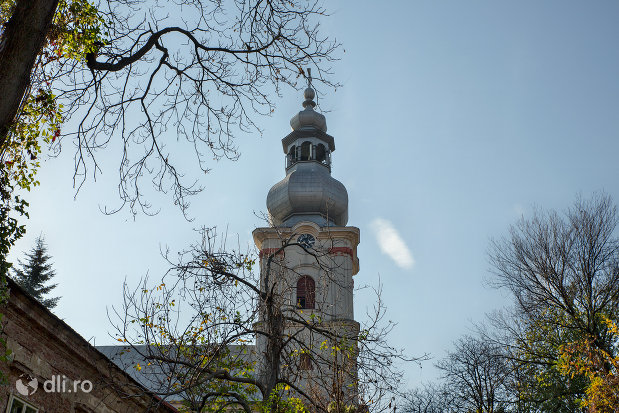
(306, 240)
(308, 192)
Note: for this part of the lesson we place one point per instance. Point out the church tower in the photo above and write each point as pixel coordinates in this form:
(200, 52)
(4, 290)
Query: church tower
(308, 259)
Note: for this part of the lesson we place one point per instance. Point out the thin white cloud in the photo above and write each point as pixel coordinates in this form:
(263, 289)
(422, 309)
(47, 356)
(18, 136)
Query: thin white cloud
(392, 244)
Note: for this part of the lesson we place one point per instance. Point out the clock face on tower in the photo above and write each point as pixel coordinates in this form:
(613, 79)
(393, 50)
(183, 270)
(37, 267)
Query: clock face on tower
(306, 240)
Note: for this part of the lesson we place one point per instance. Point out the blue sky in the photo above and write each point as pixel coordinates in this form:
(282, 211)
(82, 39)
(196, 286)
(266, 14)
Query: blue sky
(454, 119)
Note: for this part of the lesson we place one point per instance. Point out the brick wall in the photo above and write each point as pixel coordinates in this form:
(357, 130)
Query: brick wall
(47, 349)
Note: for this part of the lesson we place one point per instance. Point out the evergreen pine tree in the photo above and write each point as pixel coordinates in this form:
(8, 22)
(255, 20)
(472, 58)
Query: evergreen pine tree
(37, 271)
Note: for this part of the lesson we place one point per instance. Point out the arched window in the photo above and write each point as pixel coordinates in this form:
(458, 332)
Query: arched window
(306, 292)
(292, 155)
(306, 149)
(305, 362)
(321, 153)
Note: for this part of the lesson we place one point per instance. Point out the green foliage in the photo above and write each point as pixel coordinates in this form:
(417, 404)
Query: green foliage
(199, 359)
(335, 407)
(10, 229)
(280, 402)
(79, 29)
(560, 339)
(562, 270)
(19, 161)
(541, 382)
(10, 232)
(35, 273)
(599, 366)
(39, 123)
(222, 394)
(4, 351)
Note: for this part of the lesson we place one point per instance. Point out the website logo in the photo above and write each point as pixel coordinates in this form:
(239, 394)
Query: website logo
(27, 385)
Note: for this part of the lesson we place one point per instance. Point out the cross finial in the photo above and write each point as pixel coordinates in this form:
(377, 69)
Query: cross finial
(309, 92)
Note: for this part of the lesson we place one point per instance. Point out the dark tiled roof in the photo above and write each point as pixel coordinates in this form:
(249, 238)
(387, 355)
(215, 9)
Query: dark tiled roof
(156, 376)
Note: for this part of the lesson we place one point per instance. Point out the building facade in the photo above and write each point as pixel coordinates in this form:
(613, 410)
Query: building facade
(306, 330)
(308, 258)
(53, 369)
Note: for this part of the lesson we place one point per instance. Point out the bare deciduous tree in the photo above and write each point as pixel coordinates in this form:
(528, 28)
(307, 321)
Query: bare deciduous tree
(476, 373)
(430, 398)
(543, 352)
(563, 271)
(158, 81)
(225, 337)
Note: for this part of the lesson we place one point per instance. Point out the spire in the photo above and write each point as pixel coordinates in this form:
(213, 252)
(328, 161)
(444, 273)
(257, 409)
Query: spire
(308, 119)
(308, 192)
(309, 93)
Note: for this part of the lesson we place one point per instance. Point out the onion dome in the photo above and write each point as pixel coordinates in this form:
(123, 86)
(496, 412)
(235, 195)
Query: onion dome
(308, 118)
(308, 192)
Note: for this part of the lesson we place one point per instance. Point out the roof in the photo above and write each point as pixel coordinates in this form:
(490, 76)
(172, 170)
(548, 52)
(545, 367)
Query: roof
(310, 133)
(154, 376)
(60, 324)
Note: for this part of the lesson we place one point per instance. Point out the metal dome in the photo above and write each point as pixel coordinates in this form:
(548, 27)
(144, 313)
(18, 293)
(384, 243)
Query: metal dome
(309, 118)
(308, 192)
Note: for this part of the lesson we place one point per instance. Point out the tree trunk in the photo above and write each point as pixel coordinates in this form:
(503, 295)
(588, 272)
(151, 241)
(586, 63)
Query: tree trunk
(22, 40)
(274, 325)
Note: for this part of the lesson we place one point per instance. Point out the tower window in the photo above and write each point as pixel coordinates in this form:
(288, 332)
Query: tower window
(321, 153)
(306, 151)
(305, 362)
(306, 292)
(292, 155)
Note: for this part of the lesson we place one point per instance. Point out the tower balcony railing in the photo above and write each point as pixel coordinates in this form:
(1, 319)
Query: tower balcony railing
(289, 162)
